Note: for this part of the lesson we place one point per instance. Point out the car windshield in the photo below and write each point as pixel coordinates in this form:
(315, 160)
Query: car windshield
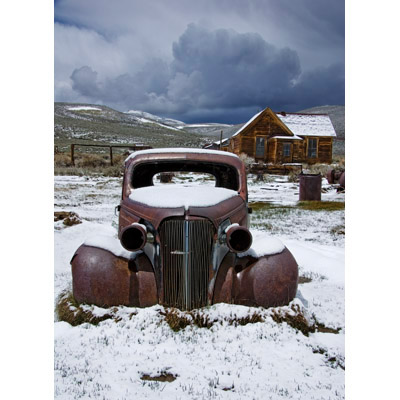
(185, 172)
(184, 179)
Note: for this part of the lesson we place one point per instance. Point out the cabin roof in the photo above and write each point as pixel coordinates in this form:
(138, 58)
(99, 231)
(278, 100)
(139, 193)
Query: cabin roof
(308, 124)
(298, 124)
(254, 117)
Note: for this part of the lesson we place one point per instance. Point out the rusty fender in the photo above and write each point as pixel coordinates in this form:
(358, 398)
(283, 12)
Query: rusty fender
(268, 281)
(99, 277)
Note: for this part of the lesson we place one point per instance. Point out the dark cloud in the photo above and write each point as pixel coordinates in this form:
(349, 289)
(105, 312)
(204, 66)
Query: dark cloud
(200, 61)
(216, 75)
(321, 86)
(85, 81)
(232, 69)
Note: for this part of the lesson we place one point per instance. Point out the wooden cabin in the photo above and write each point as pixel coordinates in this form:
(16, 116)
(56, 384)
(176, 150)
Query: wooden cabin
(284, 138)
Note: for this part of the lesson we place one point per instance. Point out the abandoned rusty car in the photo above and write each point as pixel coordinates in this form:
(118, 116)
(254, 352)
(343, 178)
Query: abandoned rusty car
(183, 246)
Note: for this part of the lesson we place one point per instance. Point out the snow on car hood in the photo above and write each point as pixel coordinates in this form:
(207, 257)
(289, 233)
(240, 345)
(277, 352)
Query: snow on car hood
(173, 196)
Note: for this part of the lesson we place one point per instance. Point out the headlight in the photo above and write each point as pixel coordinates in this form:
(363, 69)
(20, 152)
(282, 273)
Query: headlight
(238, 238)
(133, 237)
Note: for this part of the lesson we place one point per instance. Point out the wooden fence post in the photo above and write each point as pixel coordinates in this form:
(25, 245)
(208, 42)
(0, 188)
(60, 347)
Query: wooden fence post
(72, 154)
(111, 160)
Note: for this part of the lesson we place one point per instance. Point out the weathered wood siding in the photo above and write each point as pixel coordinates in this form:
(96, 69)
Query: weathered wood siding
(271, 154)
(324, 154)
(267, 126)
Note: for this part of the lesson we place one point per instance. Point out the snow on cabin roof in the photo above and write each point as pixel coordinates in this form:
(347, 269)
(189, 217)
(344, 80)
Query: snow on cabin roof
(308, 124)
(300, 124)
(180, 150)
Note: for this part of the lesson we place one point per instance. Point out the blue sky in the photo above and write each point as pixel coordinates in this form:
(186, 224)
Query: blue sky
(200, 61)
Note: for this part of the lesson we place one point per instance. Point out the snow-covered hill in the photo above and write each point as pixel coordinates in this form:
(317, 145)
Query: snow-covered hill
(98, 123)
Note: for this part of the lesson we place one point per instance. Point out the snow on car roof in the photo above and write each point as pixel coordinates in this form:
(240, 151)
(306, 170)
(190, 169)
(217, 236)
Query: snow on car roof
(180, 150)
(173, 196)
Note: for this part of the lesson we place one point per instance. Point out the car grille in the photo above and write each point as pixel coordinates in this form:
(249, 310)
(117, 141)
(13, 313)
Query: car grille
(186, 248)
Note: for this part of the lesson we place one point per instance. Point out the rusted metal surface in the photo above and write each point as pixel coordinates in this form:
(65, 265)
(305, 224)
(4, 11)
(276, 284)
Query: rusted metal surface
(233, 208)
(133, 237)
(333, 175)
(101, 278)
(310, 187)
(191, 259)
(267, 281)
(238, 239)
(341, 180)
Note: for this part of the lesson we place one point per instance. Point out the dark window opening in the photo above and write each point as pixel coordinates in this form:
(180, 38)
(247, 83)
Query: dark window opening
(260, 146)
(226, 176)
(312, 148)
(286, 149)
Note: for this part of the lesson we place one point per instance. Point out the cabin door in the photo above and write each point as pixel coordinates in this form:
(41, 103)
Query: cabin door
(260, 147)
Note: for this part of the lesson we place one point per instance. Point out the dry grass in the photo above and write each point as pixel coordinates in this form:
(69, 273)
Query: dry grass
(304, 279)
(317, 169)
(69, 310)
(68, 218)
(163, 377)
(178, 320)
(89, 164)
(62, 160)
(338, 230)
(338, 160)
(247, 160)
(294, 316)
(321, 205)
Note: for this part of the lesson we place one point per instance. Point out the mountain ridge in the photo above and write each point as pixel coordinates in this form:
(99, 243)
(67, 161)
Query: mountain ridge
(95, 124)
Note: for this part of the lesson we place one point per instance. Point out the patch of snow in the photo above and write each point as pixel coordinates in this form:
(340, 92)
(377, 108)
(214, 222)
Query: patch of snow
(263, 245)
(262, 360)
(181, 196)
(231, 226)
(141, 225)
(287, 137)
(308, 124)
(84, 108)
(205, 125)
(148, 121)
(109, 243)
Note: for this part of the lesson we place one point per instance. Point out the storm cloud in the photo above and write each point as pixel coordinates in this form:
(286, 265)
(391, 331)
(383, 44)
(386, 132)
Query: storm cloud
(208, 74)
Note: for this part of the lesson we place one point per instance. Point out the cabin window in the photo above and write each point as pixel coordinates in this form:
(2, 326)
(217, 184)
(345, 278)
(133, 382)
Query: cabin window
(260, 146)
(286, 149)
(312, 148)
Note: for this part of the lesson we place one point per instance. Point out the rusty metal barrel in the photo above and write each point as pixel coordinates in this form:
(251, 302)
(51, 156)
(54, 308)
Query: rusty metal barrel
(341, 181)
(310, 187)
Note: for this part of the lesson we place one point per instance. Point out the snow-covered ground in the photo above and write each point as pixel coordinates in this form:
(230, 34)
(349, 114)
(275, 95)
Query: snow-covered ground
(263, 360)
